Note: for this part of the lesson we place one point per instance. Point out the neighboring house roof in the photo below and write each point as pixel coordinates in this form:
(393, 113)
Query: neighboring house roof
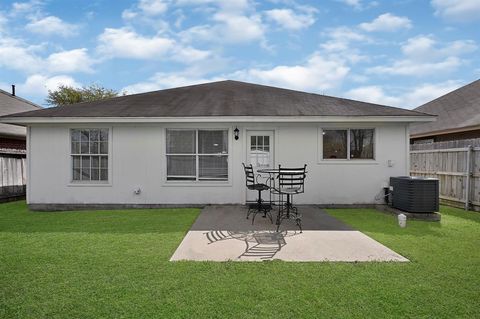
(219, 99)
(457, 111)
(10, 104)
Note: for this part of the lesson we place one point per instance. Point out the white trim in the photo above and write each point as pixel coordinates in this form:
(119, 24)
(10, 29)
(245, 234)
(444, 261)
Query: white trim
(214, 119)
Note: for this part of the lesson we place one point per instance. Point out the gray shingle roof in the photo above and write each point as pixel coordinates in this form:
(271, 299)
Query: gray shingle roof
(224, 98)
(13, 104)
(457, 109)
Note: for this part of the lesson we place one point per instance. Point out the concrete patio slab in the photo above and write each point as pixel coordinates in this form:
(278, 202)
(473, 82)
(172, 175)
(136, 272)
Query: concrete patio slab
(222, 233)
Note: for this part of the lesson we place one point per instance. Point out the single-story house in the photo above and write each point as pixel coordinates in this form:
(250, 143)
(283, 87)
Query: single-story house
(185, 146)
(458, 116)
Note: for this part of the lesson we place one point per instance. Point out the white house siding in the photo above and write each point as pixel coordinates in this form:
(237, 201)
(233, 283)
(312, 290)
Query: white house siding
(137, 160)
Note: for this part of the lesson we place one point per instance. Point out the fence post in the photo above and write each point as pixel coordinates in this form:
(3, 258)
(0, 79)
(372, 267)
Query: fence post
(468, 175)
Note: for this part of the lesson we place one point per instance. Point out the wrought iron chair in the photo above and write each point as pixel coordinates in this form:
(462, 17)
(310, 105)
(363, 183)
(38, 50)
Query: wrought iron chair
(252, 184)
(291, 181)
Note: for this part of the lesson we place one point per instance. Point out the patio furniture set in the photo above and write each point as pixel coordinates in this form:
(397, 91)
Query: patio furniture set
(282, 183)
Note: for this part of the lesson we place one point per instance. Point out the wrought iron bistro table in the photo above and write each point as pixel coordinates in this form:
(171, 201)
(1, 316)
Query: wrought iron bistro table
(283, 212)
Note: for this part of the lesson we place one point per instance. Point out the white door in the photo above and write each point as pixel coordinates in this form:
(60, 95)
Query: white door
(260, 154)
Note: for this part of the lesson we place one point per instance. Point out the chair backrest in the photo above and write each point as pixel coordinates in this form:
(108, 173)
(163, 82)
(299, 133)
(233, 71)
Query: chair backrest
(292, 177)
(249, 175)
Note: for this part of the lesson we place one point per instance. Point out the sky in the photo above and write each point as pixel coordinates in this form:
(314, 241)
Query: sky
(400, 52)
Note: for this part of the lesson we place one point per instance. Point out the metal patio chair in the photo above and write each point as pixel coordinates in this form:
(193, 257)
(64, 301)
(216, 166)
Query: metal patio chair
(290, 182)
(252, 184)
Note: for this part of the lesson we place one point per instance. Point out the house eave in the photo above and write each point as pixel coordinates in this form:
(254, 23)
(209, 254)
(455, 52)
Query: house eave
(447, 131)
(216, 119)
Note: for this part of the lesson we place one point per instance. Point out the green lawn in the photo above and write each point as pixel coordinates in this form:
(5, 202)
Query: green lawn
(115, 264)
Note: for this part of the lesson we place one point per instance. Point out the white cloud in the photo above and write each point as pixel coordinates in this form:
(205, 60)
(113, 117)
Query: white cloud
(3, 22)
(359, 4)
(317, 74)
(346, 34)
(423, 55)
(239, 28)
(418, 47)
(52, 25)
(153, 7)
(76, 60)
(232, 21)
(126, 43)
(290, 20)
(189, 54)
(32, 6)
(372, 94)
(3, 18)
(38, 85)
(229, 29)
(340, 43)
(426, 92)
(457, 10)
(426, 48)
(409, 67)
(387, 22)
(129, 14)
(148, 12)
(409, 98)
(16, 55)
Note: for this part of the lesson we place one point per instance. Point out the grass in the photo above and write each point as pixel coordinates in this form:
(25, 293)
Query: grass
(114, 264)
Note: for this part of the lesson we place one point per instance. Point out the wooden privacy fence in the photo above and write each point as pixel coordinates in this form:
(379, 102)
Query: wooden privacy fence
(456, 164)
(13, 176)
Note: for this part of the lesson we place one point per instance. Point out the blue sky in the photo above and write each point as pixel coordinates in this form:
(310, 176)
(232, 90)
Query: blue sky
(402, 53)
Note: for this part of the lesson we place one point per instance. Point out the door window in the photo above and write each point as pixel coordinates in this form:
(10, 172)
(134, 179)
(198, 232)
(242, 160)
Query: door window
(260, 154)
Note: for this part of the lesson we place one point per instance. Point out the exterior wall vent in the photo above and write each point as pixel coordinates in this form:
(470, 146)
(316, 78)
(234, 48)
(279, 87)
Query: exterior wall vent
(415, 194)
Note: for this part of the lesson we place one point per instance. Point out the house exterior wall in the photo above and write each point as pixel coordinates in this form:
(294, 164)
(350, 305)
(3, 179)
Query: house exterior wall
(137, 160)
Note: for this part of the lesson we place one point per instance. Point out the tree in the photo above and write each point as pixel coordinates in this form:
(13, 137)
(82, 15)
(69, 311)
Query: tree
(65, 95)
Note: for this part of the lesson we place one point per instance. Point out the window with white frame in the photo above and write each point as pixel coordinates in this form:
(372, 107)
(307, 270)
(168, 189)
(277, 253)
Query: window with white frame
(350, 144)
(197, 155)
(89, 153)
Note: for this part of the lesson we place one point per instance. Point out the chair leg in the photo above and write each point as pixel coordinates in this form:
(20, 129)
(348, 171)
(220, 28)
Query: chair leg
(259, 204)
(259, 207)
(298, 219)
(299, 224)
(254, 215)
